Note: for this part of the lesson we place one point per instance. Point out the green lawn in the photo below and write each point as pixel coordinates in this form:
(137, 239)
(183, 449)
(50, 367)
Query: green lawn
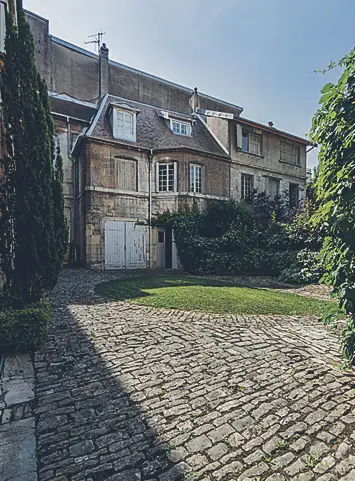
(205, 295)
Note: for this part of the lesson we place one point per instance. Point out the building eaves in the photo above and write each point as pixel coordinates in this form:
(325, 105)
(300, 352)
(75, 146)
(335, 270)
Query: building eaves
(28, 12)
(68, 98)
(73, 47)
(273, 130)
(76, 110)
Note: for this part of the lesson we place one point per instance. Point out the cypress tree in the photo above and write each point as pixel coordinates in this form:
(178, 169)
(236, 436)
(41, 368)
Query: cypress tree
(60, 244)
(31, 203)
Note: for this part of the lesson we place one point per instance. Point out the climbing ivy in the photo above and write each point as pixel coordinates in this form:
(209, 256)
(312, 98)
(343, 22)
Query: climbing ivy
(333, 128)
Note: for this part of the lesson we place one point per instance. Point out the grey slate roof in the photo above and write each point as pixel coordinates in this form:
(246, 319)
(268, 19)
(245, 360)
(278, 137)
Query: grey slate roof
(153, 131)
(70, 107)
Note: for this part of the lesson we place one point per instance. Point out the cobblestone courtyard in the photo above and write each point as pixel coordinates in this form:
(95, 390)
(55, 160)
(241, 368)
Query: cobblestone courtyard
(129, 393)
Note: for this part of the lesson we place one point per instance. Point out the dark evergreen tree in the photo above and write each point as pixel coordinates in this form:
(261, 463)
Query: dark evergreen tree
(60, 244)
(31, 249)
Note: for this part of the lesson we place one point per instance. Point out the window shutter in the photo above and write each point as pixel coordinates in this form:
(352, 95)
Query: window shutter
(239, 136)
(2, 26)
(128, 174)
(175, 177)
(157, 176)
(203, 180)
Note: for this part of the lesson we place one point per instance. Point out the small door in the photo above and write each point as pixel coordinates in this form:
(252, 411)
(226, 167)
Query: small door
(161, 248)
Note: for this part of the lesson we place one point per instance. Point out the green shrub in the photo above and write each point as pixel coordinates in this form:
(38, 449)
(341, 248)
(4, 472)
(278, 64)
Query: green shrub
(23, 329)
(260, 237)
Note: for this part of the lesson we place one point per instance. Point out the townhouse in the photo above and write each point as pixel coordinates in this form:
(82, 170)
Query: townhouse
(135, 145)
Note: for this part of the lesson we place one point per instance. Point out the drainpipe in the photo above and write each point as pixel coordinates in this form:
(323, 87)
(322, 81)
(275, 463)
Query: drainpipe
(73, 213)
(150, 163)
(231, 127)
(313, 147)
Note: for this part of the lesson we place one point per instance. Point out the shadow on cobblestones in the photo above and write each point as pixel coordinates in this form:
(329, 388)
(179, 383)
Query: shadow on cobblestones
(89, 426)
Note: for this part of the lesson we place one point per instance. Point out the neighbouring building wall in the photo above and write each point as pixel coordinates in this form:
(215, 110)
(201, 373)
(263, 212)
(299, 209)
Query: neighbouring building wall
(65, 142)
(75, 71)
(221, 129)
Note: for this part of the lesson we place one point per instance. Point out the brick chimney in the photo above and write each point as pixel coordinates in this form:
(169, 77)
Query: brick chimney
(104, 76)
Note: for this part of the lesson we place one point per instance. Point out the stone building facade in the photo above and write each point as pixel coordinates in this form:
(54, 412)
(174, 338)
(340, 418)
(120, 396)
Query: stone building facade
(262, 158)
(135, 145)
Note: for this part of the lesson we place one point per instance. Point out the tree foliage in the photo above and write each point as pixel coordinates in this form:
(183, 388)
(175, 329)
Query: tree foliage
(262, 236)
(334, 129)
(32, 227)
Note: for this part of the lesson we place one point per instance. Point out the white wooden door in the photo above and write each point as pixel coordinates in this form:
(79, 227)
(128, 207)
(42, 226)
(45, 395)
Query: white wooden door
(115, 243)
(136, 246)
(125, 245)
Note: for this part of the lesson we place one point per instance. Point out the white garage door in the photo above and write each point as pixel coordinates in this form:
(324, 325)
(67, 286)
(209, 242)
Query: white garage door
(125, 245)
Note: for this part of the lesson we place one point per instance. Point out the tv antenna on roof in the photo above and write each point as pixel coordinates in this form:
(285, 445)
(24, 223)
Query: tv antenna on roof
(97, 39)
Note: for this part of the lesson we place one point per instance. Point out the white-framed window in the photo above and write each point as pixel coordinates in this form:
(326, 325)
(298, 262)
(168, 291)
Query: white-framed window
(294, 194)
(166, 177)
(251, 143)
(247, 186)
(254, 144)
(290, 153)
(180, 128)
(2, 26)
(124, 125)
(195, 178)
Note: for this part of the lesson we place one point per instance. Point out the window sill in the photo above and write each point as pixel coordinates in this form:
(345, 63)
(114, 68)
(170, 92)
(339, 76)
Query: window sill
(290, 163)
(181, 135)
(125, 139)
(260, 156)
(166, 192)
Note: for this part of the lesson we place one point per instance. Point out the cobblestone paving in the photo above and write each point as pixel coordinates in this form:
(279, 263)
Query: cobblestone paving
(129, 393)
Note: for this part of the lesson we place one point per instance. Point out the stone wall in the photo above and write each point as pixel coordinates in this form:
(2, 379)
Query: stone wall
(261, 167)
(266, 166)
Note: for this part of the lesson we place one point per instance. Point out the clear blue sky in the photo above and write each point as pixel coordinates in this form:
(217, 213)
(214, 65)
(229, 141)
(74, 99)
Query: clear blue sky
(259, 54)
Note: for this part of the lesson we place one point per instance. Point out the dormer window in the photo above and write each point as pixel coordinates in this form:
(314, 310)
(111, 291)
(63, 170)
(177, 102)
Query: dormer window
(124, 123)
(180, 128)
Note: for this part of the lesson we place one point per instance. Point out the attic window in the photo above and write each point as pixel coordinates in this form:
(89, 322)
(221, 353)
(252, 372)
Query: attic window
(180, 128)
(124, 124)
